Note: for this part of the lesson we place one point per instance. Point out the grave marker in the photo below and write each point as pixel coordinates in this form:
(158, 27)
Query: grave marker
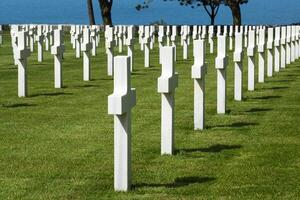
(22, 53)
(86, 47)
(120, 104)
(270, 51)
(277, 50)
(57, 50)
(283, 47)
(167, 83)
(261, 56)
(251, 60)
(199, 71)
(238, 66)
(221, 65)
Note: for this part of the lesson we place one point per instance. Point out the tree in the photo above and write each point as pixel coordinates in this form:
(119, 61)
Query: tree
(211, 6)
(91, 12)
(105, 7)
(235, 8)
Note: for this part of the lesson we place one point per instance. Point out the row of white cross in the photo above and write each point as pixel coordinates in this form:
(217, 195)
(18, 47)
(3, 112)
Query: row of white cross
(283, 40)
(123, 99)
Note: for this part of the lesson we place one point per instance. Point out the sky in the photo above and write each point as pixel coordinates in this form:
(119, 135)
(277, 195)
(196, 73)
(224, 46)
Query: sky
(124, 12)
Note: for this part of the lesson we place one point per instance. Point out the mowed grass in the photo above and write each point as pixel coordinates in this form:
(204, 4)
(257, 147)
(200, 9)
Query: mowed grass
(58, 143)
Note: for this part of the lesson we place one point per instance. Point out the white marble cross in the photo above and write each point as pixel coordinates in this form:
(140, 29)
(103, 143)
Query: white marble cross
(152, 36)
(1, 32)
(32, 32)
(293, 38)
(246, 36)
(261, 55)
(109, 44)
(251, 60)
(238, 66)
(86, 47)
(120, 104)
(94, 39)
(173, 39)
(277, 49)
(221, 65)
(22, 53)
(203, 33)
(270, 51)
(130, 44)
(195, 32)
(167, 83)
(161, 36)
(168, 34)
(78, 38)
(199, 70)
(283, 47)
(185, 42)
(39, 39)
(120, 38)
(211, 38)
(230, 37)
(141, 35)
(288, 44)
(57, 50)
(146, 41)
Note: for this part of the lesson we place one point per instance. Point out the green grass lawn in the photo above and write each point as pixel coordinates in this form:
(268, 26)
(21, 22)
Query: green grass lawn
(58, 143)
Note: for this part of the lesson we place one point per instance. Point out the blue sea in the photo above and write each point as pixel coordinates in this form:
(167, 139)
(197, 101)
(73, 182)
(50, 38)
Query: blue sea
(124, 12)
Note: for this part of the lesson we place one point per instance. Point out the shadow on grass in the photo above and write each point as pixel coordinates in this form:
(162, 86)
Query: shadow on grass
(217, 148)
(282, 81)
(233, 125)
(18, 105)
(137, 73)
(266, 97)
(178, 182)
(82, 86)
(276, 88)
(51, 94)
(253, 110)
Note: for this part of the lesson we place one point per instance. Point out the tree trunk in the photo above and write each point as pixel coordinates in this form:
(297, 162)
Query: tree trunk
(105, 7)
(212, 20)
(91, 12)
(236, 14)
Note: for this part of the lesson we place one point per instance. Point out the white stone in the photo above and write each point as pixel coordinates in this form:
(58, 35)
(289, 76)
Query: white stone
(199, 70)
(130, 45)
(22, 53)
(109, 43)
(246, 36)
(1, 32)
(185, 42)
(120, 104)
(211, 38)
(39, 39)
(167, 83)
(288, 44)
(86, 47)
(221, 65)
(293, 38)
(78, 38)
(173, 39)
(230, 37)
(270, 51)
(277, 49)
(283, 47)
(238, 66)
(261, 56)
(146, 41)
(57, 50)
(251, 60)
